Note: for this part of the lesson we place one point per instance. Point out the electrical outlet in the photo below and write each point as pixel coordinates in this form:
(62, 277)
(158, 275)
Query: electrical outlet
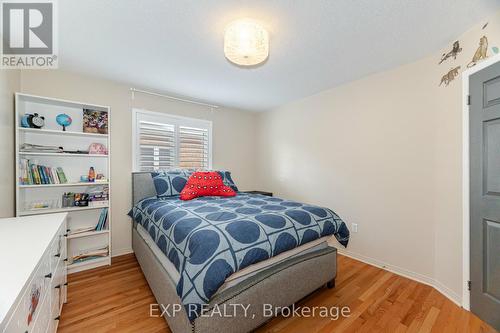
(354, 227)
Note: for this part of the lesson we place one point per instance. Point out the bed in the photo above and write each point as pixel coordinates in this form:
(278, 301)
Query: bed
(220, 259)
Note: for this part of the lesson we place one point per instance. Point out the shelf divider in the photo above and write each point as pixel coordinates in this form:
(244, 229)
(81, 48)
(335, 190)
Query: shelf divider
(63, 185)
(60, 132)
(58, 210)
(87, 234)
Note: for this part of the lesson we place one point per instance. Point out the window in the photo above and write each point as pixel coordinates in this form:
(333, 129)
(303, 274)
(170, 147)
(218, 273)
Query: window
(162, 141)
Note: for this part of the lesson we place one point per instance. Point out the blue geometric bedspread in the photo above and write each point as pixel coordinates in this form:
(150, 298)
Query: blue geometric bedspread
(209, 238)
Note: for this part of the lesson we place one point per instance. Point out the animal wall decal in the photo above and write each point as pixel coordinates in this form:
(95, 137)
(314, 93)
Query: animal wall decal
(450, 76)
(453, 53)
(481, 52)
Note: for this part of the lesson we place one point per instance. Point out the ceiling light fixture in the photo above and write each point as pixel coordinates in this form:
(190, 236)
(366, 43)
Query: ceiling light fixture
(246, 43)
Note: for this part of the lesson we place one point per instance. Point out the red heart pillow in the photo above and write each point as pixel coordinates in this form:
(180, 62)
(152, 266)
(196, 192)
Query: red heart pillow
(205, 184)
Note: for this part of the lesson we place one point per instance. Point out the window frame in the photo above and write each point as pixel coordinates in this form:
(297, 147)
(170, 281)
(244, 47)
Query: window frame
(167, 118)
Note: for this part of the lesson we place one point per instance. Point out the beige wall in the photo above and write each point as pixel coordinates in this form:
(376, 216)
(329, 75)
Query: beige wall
(447, 163)
(9, 84)
(384, 152)
(233, 134)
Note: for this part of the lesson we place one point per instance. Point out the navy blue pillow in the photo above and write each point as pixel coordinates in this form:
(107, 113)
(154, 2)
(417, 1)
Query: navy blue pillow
(227, 180)
(170, 182)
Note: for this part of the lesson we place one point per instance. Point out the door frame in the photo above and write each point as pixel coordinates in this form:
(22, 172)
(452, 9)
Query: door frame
(466, 176)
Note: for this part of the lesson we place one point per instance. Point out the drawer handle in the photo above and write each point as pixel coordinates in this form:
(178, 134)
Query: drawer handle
(68, 230)
(65, 259)
(66, 284)
(57, 287)
(65, 235)
(57, 318)
(48, 276)
(57, 255)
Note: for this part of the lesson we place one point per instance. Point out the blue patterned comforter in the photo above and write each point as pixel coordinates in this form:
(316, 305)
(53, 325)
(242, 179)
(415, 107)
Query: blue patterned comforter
(210, 238)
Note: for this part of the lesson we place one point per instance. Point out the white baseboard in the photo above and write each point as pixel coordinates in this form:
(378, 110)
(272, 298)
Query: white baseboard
(447, 292)
(450, 294)
(121, 252)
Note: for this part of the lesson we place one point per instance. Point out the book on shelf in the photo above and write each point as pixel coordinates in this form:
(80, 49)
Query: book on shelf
(61, 175)
(90, 254)
(103, 218)
(34, 174)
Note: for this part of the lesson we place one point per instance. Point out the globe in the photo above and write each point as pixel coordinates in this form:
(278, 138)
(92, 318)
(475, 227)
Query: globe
(64, 120)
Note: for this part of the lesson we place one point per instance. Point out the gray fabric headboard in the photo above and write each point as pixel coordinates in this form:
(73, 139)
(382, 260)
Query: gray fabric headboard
(142, 186)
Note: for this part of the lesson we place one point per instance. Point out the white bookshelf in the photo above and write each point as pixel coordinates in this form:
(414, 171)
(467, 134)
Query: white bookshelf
(74, 166)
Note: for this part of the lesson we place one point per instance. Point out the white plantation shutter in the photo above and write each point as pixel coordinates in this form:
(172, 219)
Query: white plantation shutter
(193, 147)
(156, 146)
(163, 141)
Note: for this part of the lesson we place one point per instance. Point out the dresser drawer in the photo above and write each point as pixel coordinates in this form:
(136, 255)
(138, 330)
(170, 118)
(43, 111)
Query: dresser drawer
(58, 247)
(33, 316)
(36, 290)
(31, 302)
(17, 322)
(53, 324)
(36, 271)
(42, 320)
(58, 289)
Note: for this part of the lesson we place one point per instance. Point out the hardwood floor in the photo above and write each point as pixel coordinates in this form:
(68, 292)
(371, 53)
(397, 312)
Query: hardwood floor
(111, 299)
(117, 298)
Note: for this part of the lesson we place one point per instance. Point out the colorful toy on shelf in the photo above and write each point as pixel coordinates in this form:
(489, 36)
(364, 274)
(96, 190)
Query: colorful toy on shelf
(91, 175)
(32, 121)
(64, 120)
(101, 178)
(98, 149)
(98, 178)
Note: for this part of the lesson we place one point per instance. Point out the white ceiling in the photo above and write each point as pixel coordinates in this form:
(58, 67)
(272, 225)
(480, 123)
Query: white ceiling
(176, 46)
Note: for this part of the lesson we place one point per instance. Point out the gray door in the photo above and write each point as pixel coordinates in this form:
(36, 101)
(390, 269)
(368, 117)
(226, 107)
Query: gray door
(485, 194)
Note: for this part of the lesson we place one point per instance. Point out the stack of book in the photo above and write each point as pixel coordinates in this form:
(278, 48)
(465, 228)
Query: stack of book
(91, 254)
(33, 174)
(31, 148)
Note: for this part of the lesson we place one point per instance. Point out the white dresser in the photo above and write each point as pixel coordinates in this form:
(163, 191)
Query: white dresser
(33, 280)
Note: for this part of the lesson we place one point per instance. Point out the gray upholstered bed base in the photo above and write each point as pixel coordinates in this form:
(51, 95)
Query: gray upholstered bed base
(280, 285)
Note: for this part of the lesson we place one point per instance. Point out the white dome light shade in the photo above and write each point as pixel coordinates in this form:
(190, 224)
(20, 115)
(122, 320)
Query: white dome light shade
(246, 43)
